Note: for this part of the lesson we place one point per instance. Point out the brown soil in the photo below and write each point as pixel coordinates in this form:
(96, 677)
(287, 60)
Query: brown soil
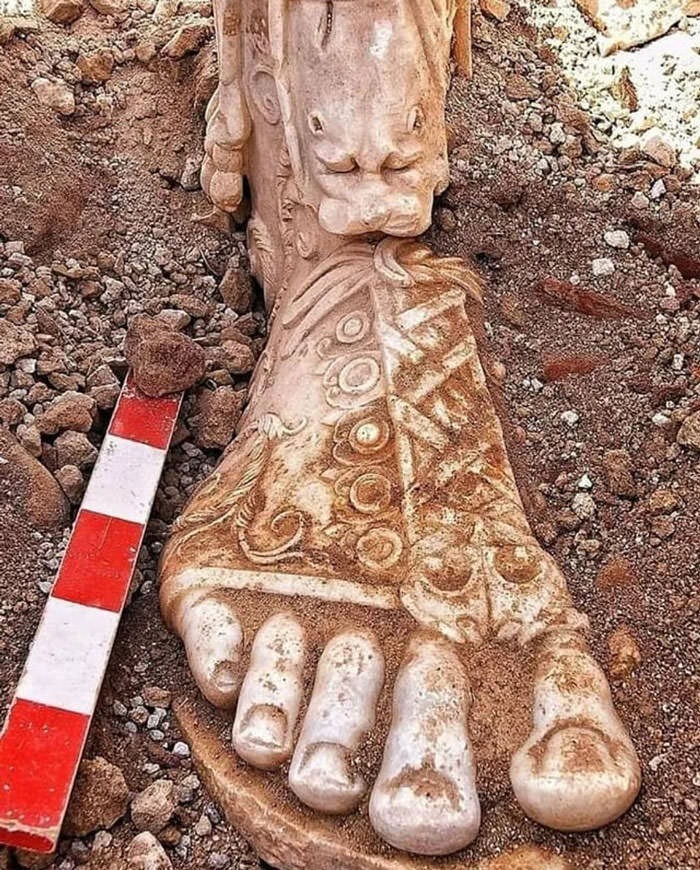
(104, 187)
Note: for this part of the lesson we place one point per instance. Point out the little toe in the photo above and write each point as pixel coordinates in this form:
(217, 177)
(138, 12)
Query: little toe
(424, 800)
(575, 778)
(341, 711)
(213, 642)
(271, 693)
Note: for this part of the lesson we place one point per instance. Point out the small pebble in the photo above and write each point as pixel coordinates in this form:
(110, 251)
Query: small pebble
(571, 418)
(602, 267)
(617, 239)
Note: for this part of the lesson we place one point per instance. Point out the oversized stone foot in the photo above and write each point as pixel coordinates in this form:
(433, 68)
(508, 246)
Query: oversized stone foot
(578, 769)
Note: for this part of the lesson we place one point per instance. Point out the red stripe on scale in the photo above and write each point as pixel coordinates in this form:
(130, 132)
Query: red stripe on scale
(140, 418)
(99, 561)
(40, 748)
(49, 717)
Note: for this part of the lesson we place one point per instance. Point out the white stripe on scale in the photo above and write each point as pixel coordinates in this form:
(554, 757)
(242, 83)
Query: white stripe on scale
(67, 660)
(125, 479)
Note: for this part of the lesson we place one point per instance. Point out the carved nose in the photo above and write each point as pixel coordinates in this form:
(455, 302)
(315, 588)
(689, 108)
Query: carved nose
(374, 214)
(375, 156)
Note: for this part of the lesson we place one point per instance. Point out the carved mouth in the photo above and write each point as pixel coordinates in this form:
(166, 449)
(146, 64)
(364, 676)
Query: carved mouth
(403, 219)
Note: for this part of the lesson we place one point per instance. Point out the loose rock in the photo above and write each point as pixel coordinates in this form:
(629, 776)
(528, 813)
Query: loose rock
(658, 150)
(73, 448)
(236, 357)
(154, 696)
(152, 808)
(497, 9)
(662, 501)
(624, 653)
(97, 66)
(57, 95)
(617, 239)
(602, 267)
(163, 361)
(517, 87)
(188, 39)
(15, 342)
(219, 412)
(689, 433)
(43, 503)
(236, 289)
(72, 410)
(618, 465)
(108, 7)
(72, 483)
(100, 798)
(146, 853)
(62, 11)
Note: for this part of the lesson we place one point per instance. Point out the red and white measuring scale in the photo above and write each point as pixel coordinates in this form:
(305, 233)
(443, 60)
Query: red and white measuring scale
(50, 714)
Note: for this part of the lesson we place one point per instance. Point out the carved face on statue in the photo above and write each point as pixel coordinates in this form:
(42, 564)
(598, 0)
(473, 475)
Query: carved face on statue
(367, 92)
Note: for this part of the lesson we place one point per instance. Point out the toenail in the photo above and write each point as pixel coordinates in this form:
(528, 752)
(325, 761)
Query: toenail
(225, 676)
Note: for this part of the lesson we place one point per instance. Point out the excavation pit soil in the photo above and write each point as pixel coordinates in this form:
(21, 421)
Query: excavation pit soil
(104, 187)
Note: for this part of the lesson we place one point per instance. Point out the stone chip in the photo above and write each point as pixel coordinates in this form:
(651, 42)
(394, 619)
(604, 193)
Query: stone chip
(99, 799)
(152, 808)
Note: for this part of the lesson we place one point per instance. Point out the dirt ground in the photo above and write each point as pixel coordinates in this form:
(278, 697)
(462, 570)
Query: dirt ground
(592, 318)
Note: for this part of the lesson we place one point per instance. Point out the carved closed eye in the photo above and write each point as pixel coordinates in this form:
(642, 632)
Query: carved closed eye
(416, 120)
(342, 166)
(397, 162)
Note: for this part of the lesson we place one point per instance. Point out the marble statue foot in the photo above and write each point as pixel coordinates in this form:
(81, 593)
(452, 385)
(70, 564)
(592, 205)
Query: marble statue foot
(578, 769)
(307, 707)
(221, 173)
(363, 535)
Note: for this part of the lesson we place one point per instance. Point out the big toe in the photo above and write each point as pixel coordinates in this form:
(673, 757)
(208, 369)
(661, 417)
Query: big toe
(575, 778)
(422, 811)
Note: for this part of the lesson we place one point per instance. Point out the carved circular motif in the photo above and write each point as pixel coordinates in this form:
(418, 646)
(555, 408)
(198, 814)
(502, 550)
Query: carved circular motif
(360, 375)
(353, 327)
(379, 548)
(517, 564)
(370, 493)
(369, 436)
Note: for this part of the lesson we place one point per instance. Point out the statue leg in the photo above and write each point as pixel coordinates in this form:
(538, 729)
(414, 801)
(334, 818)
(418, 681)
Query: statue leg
(364, 533)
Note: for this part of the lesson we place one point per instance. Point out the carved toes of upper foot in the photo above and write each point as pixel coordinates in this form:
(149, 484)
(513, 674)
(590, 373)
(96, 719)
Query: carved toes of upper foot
(221, 174)
(575, 778)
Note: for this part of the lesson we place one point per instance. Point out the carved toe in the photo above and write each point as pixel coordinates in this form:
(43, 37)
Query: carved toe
(575, 778)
